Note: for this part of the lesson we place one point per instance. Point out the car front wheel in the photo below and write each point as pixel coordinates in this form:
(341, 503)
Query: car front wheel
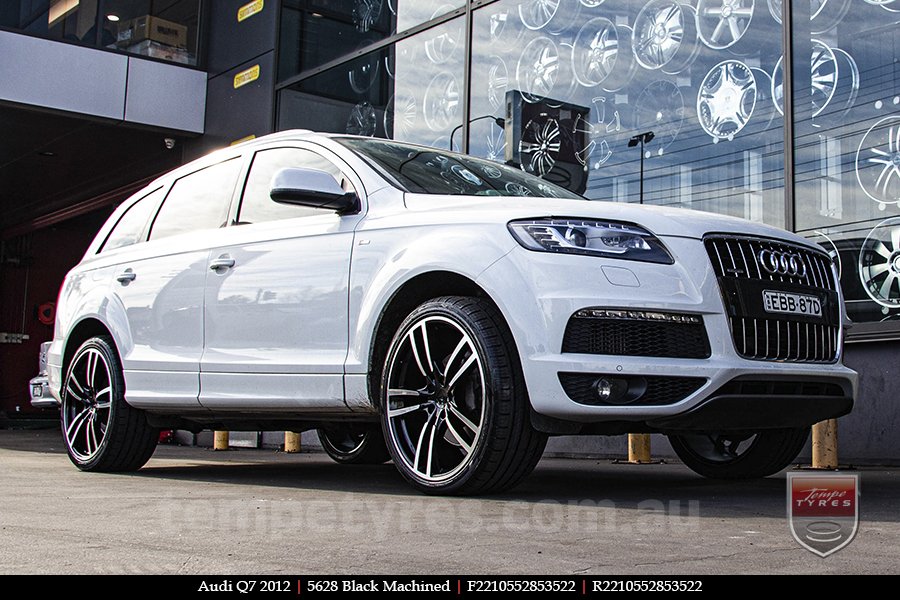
(740, 456)
(102, 432)
(455, 408)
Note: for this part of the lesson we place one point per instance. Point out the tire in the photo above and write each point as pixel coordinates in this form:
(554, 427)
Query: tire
(101, 431)
(723, 456)
(354, 444)
(452, 369)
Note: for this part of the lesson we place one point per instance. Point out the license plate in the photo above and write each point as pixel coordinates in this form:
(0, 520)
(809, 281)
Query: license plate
(794, 304)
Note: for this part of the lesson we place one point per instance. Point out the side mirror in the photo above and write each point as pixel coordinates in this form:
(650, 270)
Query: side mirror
(312, 188)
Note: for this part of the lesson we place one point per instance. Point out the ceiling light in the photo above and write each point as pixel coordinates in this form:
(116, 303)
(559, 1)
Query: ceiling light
(112, 18)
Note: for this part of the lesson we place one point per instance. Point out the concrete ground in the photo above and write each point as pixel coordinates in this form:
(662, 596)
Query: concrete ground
(194, 511)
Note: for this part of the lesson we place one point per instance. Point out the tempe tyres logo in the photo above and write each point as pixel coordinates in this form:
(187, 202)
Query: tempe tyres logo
(823, 510)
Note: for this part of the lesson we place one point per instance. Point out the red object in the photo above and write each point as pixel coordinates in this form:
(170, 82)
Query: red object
(47, 313)
(166, 436)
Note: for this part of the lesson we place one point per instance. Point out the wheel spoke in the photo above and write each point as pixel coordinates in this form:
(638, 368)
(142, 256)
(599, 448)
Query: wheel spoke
(75, 426)
(401, 392)
(411, 336)
(396, 412)
(418, 454)
(88, 435)
(431, 445)
(466, 421)
(92, 426)
(91, 368)
(473, 358)
(462, 344)
(72, 392)
(427, 347)
(74, 380)
(459, 438)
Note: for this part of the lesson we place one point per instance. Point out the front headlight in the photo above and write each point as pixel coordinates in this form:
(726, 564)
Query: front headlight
(593, 238)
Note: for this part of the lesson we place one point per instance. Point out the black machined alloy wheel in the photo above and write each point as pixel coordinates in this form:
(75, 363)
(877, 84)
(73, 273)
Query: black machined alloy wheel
(455, 409)
(740, 456)
(354, 444)
(102, 433)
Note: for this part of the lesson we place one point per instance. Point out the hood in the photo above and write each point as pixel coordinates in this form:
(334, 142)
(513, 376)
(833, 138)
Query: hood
(662, 221)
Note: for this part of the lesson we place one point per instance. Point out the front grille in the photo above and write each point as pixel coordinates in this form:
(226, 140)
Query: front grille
(660, 391)
(782, 337)
(592, 335)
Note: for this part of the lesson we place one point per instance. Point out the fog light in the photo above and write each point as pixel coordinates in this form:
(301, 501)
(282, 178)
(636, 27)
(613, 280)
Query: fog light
(611, 390)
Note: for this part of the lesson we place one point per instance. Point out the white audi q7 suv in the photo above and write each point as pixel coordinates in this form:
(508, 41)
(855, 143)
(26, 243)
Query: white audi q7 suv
(441, 311)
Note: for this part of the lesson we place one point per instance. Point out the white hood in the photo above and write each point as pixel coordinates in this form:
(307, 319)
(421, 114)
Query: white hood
(660, 220)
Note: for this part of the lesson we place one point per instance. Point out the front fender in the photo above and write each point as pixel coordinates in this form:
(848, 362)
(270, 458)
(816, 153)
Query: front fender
(384, 260)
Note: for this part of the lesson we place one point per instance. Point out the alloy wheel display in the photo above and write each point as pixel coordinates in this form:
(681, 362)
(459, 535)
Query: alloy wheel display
(726, 99)
(878, 162)
(722, 23)
(879, 263)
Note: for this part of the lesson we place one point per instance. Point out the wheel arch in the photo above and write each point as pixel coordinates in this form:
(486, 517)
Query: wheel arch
(413, 292)
(84, 330)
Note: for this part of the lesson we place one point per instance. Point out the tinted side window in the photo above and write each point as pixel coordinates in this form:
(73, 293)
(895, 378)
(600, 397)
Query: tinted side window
(257, 206)
(197, 201)
(130, 228)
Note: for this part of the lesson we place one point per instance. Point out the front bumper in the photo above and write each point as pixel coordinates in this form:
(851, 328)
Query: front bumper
(39, 392)
(539, 292)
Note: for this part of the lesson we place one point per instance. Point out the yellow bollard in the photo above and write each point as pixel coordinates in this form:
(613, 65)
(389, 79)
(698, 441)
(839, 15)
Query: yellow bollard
(291, 442)
(220, 440)
(638, 448)
(825, 445)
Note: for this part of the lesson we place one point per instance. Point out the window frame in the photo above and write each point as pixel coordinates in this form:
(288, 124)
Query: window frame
(325, 153)
(227, 209)
(145, 231)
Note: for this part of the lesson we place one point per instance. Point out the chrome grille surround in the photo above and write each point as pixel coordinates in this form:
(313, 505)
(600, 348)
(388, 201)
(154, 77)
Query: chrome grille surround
(740, 262)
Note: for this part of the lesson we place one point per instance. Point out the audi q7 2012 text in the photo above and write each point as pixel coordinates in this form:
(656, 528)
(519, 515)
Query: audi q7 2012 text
(441, 311)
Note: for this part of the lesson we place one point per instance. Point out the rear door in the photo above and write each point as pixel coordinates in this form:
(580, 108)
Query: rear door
(276, 327)
(160, 285)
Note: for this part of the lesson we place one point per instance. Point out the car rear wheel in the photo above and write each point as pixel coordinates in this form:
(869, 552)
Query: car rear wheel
(740, 456)
(456, 411)
(354, 444)
(102, 432)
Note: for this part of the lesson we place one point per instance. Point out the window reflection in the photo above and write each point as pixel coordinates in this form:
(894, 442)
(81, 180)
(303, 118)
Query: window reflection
(315, 32)
(163, 30)
(847, 114)
(696, 74)
(388, 93)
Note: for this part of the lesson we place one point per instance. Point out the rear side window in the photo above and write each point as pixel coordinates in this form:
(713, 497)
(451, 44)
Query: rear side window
(130, 228)
(258, 207)
(197, 201)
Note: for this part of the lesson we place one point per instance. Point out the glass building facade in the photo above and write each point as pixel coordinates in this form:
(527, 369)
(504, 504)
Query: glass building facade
(560, 88)
(162, 29)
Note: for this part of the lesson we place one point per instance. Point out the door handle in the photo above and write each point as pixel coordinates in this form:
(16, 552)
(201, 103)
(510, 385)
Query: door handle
(223, 262)
(126, 276)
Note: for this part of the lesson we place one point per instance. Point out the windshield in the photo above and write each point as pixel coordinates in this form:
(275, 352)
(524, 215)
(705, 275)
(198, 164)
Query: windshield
(422, 170)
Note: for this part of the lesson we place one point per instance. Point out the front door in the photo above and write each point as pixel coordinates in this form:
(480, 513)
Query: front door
(276, 326)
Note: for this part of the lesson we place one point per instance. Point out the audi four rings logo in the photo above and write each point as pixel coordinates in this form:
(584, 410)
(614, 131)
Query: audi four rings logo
(782, 263)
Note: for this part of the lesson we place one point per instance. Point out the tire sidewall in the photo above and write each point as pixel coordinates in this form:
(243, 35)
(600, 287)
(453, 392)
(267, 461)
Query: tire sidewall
(442, 309)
